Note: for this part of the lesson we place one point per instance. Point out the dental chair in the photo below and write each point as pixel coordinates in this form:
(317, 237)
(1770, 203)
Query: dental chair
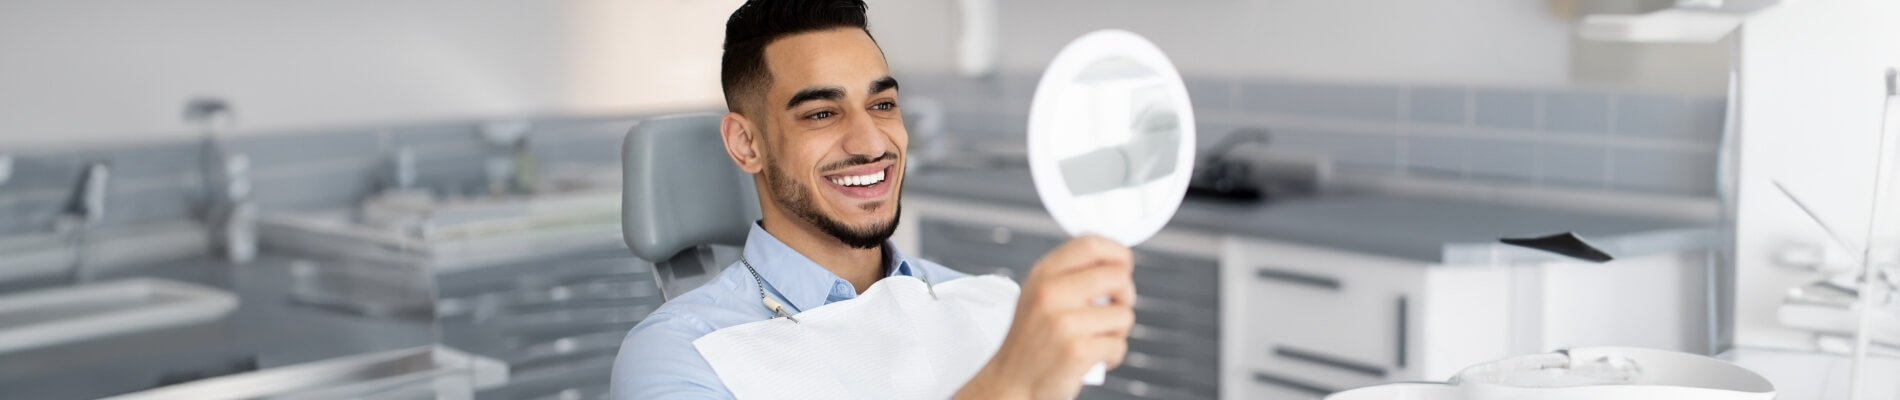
(681, 196)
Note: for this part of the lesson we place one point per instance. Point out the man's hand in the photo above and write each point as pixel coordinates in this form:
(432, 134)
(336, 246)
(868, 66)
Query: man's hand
(1060, 330)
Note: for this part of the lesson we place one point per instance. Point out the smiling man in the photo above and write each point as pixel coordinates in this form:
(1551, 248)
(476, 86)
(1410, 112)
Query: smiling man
(814, 117)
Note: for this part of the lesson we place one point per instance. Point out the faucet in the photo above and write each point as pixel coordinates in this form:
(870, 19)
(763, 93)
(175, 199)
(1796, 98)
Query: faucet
(85, 207)
(228, 211)
(512, 173)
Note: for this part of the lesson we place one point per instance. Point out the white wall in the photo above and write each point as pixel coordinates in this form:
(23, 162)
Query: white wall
(1491, 42)
(89, 72)
(646, 55)
(109, 71)
(84, 73)
(1811, 77)
(1510, 43)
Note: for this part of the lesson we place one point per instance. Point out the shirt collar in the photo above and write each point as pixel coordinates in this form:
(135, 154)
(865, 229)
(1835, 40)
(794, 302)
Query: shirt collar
(802, 282)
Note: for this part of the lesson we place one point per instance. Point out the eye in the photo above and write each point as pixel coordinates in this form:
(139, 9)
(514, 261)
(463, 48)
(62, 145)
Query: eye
(819, 115)
(884, 106)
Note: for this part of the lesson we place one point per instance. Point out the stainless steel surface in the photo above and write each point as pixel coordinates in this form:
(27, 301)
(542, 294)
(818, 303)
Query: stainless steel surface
(432, 371)
(54, 316)
(370, 290)
(266, 330)
(452, 234)
(37, 256)
(557, 323)
(551, 304)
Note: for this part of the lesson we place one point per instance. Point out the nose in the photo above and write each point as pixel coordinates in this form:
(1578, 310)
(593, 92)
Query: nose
(863, 137)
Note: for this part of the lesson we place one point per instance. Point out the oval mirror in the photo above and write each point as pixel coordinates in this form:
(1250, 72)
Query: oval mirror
(1111, 137)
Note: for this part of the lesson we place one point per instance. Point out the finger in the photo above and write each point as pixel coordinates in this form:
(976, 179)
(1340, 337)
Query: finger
(1083, 252)
(1082, 287)
(1095, 322)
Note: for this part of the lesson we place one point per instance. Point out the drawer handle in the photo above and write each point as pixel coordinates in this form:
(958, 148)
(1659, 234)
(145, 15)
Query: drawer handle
(1330, 361)
(1290, 383)
(1298, 278)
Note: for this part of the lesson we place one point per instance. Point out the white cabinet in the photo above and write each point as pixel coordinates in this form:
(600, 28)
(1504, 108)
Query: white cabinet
(1304, 321)
(1300, 322)
(1295, 321)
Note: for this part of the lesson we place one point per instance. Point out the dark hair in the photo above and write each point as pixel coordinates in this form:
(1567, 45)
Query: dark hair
(757, 23)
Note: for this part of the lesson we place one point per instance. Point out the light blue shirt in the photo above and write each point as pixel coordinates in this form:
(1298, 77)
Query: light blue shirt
(657, 359)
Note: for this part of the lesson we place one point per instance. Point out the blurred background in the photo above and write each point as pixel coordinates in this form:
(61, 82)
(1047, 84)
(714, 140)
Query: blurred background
(420, 198)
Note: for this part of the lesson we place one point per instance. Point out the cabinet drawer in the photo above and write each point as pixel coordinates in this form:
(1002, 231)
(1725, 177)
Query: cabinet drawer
(1310, 320)
(1353, 323)
(1317, 370)
(1268, 385)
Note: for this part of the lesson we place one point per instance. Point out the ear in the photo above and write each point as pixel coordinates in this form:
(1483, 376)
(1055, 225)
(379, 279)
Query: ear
(743, 142)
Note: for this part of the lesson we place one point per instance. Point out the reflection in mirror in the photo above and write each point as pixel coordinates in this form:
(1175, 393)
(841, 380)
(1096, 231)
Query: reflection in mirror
(1111, 136)
(1125, 103)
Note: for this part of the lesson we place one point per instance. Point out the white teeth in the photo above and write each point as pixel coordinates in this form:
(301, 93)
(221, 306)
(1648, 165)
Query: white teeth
(860, 180)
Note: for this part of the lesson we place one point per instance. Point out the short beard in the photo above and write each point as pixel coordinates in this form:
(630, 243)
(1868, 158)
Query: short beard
(797, 200)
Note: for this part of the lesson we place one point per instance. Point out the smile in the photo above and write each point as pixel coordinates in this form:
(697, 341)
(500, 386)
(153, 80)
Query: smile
(860, 180)
(869, 182)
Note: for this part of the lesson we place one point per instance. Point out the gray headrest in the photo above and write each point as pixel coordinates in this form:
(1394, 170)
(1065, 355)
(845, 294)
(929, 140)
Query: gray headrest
(680, 189)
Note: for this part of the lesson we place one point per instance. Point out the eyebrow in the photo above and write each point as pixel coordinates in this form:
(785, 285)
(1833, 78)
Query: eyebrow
(883, 84)
(815, 93)
(835, 93)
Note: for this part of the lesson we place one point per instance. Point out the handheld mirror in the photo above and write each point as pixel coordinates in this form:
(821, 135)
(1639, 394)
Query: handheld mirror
(1111, 137)
(1111, 140)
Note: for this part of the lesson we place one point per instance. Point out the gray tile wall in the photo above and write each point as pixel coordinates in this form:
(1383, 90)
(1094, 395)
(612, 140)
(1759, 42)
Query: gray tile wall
(317, 169)
(1633, 142)
(1566, 138)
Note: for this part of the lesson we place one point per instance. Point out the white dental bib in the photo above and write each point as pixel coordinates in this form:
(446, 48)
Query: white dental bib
(895, 341)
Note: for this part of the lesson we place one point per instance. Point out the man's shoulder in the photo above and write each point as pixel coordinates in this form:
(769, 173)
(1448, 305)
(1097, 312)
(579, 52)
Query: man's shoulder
(657, 358)
(719, 303)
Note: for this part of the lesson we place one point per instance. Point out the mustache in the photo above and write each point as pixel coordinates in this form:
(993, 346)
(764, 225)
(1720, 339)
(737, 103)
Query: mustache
(858, 160)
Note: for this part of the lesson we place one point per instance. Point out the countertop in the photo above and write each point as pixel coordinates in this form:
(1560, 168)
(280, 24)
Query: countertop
(266, 330)
(1431, 230)
(556, 320)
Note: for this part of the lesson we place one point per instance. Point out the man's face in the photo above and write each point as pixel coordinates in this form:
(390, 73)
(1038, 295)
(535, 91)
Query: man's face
(834, 154)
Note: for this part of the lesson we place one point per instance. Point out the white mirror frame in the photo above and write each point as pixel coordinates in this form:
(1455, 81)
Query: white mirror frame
(1045, 144)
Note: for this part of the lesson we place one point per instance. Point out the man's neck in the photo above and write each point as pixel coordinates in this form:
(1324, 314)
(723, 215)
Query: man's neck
(861, 267)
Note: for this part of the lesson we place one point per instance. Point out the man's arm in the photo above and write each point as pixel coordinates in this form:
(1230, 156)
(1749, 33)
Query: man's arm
(658, 361)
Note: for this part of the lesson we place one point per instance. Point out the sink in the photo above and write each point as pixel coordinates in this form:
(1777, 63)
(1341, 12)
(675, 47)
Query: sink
(53, 316)
(432, 371)
(47, 255)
